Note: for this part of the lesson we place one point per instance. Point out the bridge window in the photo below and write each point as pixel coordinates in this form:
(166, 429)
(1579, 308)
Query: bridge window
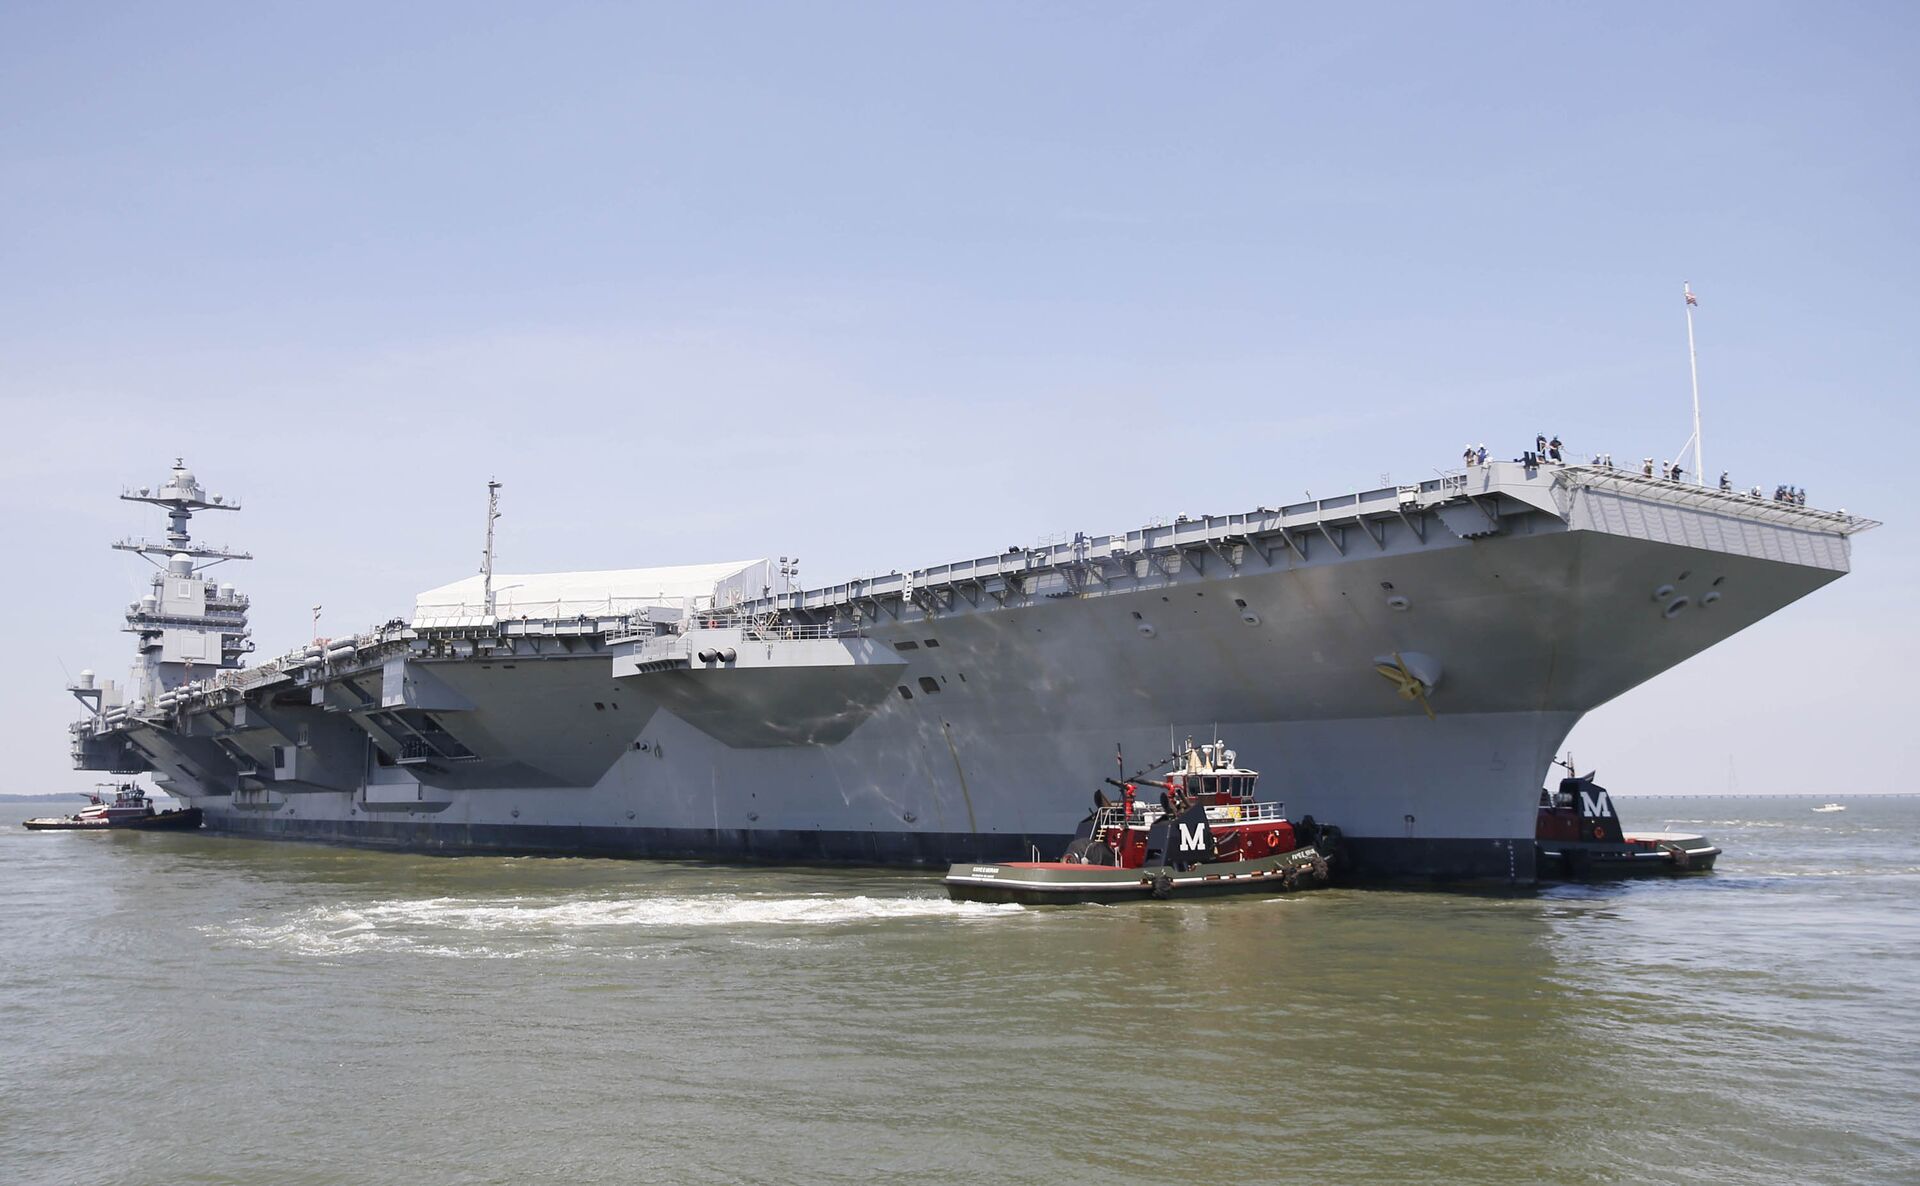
(906, 646)
(929, 684)
(904, 694)
(933, 642)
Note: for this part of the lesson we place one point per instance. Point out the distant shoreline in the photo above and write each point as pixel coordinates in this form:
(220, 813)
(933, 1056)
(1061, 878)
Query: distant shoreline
(1823, 795)
(51, 795)
(1835, 796)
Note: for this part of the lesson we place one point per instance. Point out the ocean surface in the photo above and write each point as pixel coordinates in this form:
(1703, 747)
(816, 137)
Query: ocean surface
(194, 1009)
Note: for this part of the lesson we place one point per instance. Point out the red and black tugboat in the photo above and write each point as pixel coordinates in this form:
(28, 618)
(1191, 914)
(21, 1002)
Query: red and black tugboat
(1207, 834)
(1578, 837)
(129, 808)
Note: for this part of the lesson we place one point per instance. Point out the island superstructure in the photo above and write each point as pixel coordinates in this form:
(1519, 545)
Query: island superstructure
(1404, 661)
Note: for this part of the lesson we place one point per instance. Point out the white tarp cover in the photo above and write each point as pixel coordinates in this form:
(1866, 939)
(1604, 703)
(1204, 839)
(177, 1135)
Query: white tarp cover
(567, 594)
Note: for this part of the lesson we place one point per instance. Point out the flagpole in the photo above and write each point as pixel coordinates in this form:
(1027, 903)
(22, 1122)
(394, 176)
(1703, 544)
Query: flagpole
(1693, 365)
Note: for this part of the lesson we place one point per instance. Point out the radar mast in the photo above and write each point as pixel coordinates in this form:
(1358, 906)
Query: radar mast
(187, 621)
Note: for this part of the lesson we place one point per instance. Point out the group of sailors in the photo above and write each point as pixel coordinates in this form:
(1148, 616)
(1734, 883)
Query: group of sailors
(1791, 495)
(1544, 451)
(1548, 450)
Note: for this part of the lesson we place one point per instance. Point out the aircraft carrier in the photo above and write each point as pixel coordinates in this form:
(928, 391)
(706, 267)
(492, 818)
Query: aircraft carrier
(1403, 662)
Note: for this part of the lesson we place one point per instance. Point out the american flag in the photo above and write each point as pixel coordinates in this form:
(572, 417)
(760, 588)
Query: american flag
(1691, 299)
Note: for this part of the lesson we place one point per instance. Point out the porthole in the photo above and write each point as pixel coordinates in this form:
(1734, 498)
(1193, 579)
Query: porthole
(1146, 629)
(1711, 597)
(1398, 602)
(1675, 606)
(1250, 618)
(1663, 592)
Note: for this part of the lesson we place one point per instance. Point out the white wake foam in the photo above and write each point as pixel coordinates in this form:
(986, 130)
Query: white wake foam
(459, 926)
(711, 910)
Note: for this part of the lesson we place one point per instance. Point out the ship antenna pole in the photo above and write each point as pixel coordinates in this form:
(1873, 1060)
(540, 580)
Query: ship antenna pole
(486, 557)
(1693, 365)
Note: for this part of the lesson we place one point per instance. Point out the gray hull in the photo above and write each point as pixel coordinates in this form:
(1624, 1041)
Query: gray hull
(968, 712)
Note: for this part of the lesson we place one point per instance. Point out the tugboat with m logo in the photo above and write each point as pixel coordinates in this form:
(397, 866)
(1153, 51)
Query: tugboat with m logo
(1207, 834)
(1578, 837)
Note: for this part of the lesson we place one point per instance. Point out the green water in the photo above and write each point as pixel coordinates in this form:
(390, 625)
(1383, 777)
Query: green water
(192, 1009)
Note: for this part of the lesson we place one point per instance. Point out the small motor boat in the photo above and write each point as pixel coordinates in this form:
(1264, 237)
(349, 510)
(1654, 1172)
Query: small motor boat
(1207, 835)
(130, 808)
(1578, 837)
(1831, 807)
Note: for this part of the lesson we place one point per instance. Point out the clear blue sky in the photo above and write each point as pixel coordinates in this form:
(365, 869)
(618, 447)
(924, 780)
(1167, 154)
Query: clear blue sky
(893, 284)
